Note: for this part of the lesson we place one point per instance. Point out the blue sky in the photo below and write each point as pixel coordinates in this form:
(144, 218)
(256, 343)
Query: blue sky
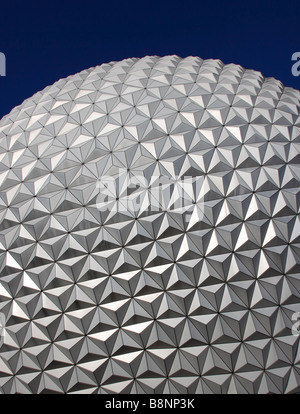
(44, 41)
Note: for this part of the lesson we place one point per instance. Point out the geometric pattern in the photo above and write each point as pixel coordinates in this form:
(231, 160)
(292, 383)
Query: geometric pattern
(111, 300)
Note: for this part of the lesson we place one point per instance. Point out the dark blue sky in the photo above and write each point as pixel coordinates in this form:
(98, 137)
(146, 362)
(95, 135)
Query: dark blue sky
(44, 41)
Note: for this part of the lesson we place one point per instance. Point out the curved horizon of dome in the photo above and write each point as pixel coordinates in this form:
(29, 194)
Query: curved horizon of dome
(112, 62)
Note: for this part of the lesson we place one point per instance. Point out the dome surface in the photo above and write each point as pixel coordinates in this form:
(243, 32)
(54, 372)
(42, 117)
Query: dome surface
(149, 232)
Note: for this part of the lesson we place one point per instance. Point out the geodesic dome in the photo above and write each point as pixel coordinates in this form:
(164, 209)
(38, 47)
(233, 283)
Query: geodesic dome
(101, 291)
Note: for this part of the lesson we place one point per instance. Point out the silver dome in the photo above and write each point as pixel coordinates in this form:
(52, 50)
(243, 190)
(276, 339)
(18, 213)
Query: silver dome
(185, 280)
